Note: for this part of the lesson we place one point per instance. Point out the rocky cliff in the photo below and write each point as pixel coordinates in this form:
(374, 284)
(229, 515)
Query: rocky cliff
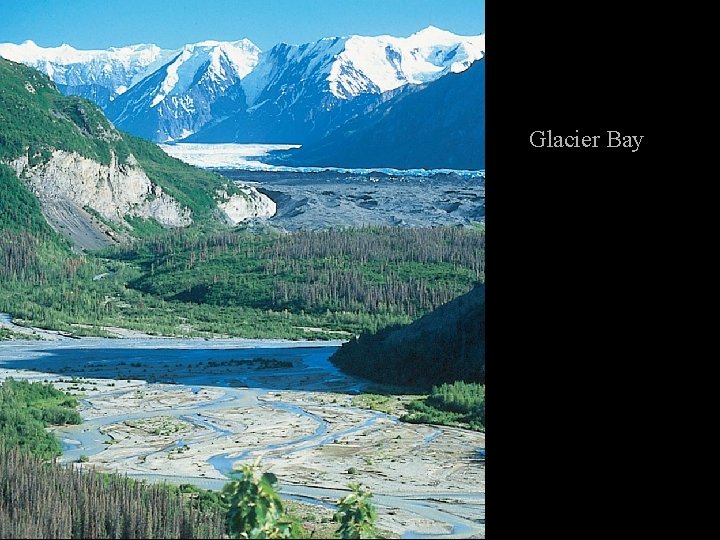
(113, 191)
(247, 205)
(94, 181)
(71, 188)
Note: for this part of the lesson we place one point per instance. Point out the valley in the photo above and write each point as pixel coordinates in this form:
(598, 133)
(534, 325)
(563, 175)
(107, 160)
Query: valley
(214, 256)
(186, 411)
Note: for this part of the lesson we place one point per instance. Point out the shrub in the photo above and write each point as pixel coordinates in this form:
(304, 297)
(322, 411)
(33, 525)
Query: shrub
(356, 514)
(256, 510)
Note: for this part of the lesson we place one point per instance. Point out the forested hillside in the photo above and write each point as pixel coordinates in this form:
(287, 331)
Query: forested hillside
(28, 246)
(444, 346)
(39, 499)
(58, 143)
(246, 283)
(372, 270)
(26, 409)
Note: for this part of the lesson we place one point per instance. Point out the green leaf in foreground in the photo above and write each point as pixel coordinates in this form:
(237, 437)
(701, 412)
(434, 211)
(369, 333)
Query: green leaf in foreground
(356, 514)
(256, 510)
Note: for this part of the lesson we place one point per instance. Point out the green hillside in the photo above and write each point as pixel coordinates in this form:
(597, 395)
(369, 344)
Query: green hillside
(36, 119)
(444, 346)
(19, 208)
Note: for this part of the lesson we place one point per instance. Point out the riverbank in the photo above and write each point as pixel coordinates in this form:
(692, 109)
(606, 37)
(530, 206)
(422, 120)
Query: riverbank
(33, 333)
(187, 411)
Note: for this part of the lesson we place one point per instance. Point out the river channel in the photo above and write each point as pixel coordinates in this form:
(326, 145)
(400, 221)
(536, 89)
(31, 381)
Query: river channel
(191, 410)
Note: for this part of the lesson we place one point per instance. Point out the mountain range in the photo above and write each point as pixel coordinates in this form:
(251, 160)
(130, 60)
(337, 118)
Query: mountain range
(216, 91)
(439, 125)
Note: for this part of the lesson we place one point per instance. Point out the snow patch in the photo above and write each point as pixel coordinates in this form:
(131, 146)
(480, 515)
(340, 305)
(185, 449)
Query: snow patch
(171, 77)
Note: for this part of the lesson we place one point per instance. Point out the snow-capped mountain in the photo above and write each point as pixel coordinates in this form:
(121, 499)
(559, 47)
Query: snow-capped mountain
(99, 75)
(350, 66)
(379, 64)
(232, 92)
(197, 85)
(298, 93)
(438, 125)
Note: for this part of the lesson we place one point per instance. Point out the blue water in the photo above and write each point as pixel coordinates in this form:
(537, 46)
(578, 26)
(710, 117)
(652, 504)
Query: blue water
(176, 362)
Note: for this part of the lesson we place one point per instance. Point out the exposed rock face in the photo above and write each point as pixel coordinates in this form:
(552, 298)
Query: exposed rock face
(113, 191)
(250, 204)
(68, 184)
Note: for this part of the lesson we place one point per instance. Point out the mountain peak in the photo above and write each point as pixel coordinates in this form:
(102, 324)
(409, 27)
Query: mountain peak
(243, 43)
(206, 43)
(430, 28)
(433, 32)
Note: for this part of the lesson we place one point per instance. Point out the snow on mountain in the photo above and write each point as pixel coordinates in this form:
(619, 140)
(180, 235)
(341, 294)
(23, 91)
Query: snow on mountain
(215, 91)
(196, 86)
(299, 93)
(240, 56)
(114, 69)
(439, 125)
(350, 66)
(385, 63)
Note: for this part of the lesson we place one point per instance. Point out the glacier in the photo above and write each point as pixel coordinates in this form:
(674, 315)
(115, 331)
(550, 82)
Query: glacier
(238, 157)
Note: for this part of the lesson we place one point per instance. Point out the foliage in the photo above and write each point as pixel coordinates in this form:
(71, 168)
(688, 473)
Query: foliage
(187, 283)
(26, 409)
(457, 404)
(445, 345)
(142, 227)
(377, 402)
(8, 335)
(203, 500)
(356, 514)
(377, 270)
(19, 208)
(256, 510)
(35, 120)
(45, 500)
(316, 521)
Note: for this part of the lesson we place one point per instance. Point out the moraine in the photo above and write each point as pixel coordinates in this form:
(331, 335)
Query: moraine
(316, 198)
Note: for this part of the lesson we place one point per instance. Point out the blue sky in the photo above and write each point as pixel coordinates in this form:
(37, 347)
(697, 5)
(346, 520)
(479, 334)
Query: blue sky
(98, 24)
